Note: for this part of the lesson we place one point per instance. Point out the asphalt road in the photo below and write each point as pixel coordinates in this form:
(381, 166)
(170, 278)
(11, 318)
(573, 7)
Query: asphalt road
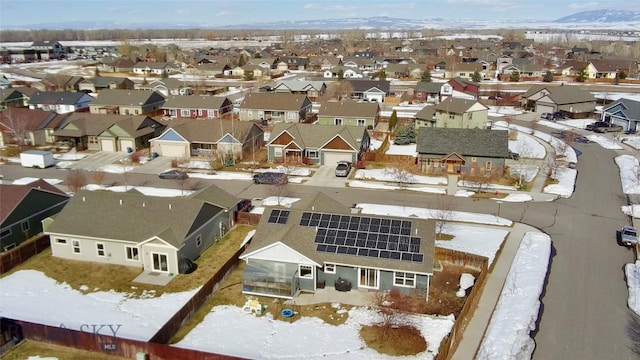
(584, 313)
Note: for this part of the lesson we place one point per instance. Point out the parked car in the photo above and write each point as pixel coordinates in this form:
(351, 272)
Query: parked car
(270, 178)
(558, 115)
(343, 168)
(597, 124)
(628, 236)
(546, 116)
(582, 139)
(173, 174)
(609, 128)
(514, 155)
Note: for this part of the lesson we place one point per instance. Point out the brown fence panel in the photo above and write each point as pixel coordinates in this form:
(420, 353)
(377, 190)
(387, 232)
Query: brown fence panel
(247, 218)
(87, 340)
(169, 329)
(14, 257)
(448, 347)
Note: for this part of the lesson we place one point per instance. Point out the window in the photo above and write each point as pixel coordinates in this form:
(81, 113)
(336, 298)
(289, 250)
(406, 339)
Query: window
(132, 253)
(9, 247)
(312, 154)
(198, 240)
(277, 152)
(404, 279)
(137, 112)
(276, 113)
(185, 112)
(330, 268)
(100, 249)
(474, 159)
(452, 116)
(487, 165)
(5, 233)
(362, 122)
(25, 226)
(61, 241)
(305, 271)
(93, 139)
(200, 112)
(337, 121)
(76, 246)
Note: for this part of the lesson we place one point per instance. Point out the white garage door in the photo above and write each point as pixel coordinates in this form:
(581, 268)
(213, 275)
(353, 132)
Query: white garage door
(125, 145)
(173, 150)
(544, 108)
(332, 158)
(107, 145)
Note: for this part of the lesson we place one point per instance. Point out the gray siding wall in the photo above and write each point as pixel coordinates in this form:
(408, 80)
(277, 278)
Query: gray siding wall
(210, 234)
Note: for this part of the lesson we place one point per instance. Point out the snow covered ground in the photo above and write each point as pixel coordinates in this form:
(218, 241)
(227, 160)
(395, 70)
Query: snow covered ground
(515, 315)
(30, 295)
(228, 330)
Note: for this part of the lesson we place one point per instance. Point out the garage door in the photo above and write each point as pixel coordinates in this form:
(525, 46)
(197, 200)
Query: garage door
(125, 145)
(107, 145)
(173, 150)
(332, 157)
(544, 108)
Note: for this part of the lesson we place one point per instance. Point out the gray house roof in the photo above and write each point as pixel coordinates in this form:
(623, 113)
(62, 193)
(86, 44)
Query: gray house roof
(212, 131)
(301, 238)
(83, 124)
(101, 82)
(429, 87)
(366, 85)
(562, 94)
(466, 142)
(455, 105)
(297, 86)
(130, 216)
(311, 136)
(123, 97)
(427, 113)
(348, 108)
(194, 102)
(58, 97)
(275, 101)
(626, 108)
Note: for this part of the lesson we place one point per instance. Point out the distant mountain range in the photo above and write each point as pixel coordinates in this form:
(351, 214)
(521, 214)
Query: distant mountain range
(611, 19)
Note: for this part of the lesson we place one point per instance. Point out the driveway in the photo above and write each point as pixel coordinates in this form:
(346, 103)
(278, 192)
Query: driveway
(325, 176)
(97, 160)
(155, 166)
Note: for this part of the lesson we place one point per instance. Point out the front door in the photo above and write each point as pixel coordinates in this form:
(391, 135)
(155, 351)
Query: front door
(160, 262)
(368, 278)
(450, 167)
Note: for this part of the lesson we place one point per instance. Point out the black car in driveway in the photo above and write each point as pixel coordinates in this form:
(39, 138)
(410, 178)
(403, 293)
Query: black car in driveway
(173, 174)
(270, 178)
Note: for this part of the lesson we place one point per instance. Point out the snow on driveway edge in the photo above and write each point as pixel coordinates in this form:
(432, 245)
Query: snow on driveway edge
(516, 313)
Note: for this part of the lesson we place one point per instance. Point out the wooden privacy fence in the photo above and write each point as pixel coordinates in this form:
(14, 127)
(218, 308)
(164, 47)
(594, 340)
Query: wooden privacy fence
(448, 347)
(89, 340)
(16, 256)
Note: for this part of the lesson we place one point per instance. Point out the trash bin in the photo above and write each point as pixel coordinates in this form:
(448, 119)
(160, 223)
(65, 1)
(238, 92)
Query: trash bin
(129, 150)
(154, 155)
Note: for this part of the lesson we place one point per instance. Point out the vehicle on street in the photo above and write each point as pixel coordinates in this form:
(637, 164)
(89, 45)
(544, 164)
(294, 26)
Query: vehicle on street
(608, 128)
(273, 178)
(628, 236)
(37, 159)
(173, 174)
(343, 168)
(582, 139)
(546, 116)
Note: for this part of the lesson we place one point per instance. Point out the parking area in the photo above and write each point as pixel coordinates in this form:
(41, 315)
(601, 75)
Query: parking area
(326, 176)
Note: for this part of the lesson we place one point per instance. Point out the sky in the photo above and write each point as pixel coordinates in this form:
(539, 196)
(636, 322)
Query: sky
(221, 13)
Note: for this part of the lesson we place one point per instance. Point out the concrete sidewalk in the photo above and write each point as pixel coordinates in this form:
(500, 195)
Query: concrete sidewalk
(474, 333)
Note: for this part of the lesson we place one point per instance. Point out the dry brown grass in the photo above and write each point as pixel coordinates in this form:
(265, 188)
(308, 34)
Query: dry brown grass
(400, 341)
(34, 348)
(442, 291)
(230, 293)
(120, 278)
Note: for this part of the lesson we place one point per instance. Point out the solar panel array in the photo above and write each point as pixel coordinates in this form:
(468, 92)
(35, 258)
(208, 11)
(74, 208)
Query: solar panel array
(364, 236)
(278, 216)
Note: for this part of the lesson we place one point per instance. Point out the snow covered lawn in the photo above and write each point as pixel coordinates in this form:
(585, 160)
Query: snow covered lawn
(385, 175)
(228, 330)
(30, 295)
(515, 315)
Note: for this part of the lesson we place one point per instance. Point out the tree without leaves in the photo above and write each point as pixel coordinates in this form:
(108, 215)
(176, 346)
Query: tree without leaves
(633, 331)
(76, 180)
(17, 125)
(400, 174)
(582, 75)
(339, 90)
(443, 213)
(393, 309)
(548, 76)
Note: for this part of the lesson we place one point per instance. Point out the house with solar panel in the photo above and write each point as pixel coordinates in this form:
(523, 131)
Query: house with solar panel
(319, 242)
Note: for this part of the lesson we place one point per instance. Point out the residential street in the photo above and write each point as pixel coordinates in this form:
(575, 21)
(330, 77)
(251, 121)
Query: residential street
(584, 312)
